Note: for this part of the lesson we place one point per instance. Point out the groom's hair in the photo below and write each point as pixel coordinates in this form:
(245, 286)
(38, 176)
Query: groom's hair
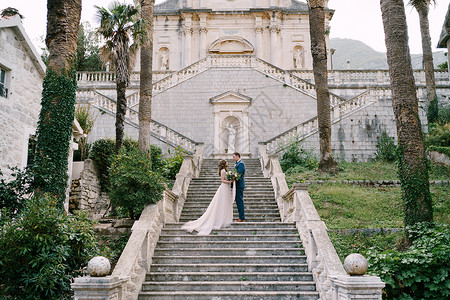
(237, 154)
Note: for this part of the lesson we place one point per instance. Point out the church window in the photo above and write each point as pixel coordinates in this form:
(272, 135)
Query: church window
(3, 87)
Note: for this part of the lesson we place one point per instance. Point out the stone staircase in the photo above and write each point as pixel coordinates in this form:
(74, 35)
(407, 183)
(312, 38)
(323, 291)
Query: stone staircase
(260, 259)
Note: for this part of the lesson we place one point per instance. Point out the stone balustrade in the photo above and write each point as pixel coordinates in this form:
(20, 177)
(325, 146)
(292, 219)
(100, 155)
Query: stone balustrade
(127, 277)
(158, 130)
(295, 205)
(369, 78)
(108, 78)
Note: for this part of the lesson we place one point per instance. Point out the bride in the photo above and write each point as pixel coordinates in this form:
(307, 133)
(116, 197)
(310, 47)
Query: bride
(219, 212)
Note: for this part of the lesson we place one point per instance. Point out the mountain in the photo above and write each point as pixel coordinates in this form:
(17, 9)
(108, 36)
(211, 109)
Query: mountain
(363, 57)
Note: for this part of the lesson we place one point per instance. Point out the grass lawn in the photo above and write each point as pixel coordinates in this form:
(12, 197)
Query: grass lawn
(344, 206)
(360, 171)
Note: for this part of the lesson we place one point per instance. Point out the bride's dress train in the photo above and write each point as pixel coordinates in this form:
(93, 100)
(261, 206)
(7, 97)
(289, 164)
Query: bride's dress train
(218, 214)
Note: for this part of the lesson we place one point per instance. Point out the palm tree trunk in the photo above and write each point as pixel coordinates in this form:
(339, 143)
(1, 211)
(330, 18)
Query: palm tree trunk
(422, 9)
(319, 53)
(63, 19)
(122, 79)
(58, 99)
(413, 170)
(145, 100)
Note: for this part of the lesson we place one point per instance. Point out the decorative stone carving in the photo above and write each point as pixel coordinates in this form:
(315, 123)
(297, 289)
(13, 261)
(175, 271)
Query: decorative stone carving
(98, 266)
(231, 138)
(298, 58)
(235, 45)
(355, 264)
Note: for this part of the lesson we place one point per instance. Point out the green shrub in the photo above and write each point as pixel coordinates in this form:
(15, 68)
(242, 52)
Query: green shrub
(172, 163)
(42, 249)
(386, 148)
(421, 272)
(295, 157)
(102, 152)
(443, 115)
(444, 150)
(14, 193)
(133, 184)
(157, 158)
(439, 135)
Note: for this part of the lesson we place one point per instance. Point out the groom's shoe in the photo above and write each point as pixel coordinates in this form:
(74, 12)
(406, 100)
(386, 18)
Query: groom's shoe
(239, 220)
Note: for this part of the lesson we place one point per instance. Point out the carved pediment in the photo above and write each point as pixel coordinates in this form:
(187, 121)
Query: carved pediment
(231, 97)
(232, 45)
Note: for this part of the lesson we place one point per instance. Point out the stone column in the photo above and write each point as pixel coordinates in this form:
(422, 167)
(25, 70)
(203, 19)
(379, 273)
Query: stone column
(202, 36)
(274, 29)
(187, 31)
(259, 41)
(217, 132)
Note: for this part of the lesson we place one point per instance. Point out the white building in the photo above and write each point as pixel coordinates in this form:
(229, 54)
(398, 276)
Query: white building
(22, 75)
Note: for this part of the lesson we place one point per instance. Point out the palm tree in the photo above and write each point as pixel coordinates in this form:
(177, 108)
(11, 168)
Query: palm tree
(413, 170)
(319, 54)
(58, 99)
(145, 100)
(123, 32)
(422, 7)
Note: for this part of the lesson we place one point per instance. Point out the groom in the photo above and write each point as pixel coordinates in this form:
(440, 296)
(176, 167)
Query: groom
(240, 185)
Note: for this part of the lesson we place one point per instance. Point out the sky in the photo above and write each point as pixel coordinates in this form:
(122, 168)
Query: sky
(353, 19)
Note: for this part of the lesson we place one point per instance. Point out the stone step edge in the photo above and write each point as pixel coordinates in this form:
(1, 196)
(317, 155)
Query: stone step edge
(230, 273)
(168, 250)
(215, 283)
(214, 236)
(228, 293)
(227, 256)
(243, 224)
(230, 242)
(230, 265)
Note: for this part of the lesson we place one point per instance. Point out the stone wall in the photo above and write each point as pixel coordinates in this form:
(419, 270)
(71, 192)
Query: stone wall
(86, 194)
(19, 112)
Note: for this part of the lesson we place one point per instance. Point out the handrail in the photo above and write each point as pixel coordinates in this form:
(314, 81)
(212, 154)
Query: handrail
(295, 205)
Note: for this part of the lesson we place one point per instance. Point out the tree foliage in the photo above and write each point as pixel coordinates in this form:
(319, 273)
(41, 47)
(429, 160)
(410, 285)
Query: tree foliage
(42, 249)
(88, 49)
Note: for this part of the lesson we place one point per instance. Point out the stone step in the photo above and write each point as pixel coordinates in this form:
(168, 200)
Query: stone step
(248, 209)
(184, 236)
(259, 205)
(238, 259)
(229, 286)
(249, 214)
(235, 217)
(235, 232)
(229, 252)
(246, 225)
(231, 245)
(232, 267)
(229, 276)
(230, 295)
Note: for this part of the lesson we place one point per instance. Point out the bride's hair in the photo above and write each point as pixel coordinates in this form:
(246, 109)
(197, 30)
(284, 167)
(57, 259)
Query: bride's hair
(222, 165)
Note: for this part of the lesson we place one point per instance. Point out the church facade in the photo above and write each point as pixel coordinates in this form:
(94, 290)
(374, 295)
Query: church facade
(276, 31)
(237, 74)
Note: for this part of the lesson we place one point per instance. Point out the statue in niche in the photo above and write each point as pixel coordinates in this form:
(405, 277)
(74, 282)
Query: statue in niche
(298, 59)
(231, 138)
(164, 61)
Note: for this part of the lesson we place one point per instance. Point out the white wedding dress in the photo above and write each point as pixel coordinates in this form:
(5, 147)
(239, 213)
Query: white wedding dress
(218, 214)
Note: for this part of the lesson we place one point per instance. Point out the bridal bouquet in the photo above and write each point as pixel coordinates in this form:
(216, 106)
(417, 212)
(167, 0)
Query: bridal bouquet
(233, 175)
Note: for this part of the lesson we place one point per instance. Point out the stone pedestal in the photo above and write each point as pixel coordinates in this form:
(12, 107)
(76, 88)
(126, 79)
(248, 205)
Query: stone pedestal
(98, 288)
(356, 287)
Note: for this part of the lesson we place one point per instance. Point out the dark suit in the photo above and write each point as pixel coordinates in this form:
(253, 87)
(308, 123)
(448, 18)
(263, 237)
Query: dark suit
(240, 185)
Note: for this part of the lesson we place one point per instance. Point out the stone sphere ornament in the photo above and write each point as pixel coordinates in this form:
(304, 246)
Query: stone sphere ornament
(355, 264)
(98, 266)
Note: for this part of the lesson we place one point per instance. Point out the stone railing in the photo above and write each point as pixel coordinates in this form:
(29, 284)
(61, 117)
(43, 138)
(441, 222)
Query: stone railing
(158, 130)
(369, 78)
(311, 126)
(330, 277)
(109, 78)
(127, 277)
